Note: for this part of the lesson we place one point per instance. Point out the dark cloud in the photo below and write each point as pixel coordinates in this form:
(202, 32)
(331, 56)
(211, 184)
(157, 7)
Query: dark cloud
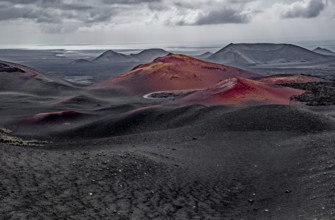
(7, 12)
(224, 16)
(75, 7)
(57, 15)
(26, 2)
(209, 12)
(48, 4)
(305, 9)
(240, 1)
(127, 2)
(48, 11)
(52, 11)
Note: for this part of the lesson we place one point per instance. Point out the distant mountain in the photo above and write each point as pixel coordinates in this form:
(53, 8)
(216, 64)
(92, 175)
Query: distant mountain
(324, 51)
(264, 53)
(204, 56)
(111, 56)
(81, 61)
(172, 72)
(149, 55)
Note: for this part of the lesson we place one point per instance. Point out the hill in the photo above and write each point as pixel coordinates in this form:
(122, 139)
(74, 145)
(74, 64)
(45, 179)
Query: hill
(148, 55)
(112, 56)
(240, 91)
(19, 78)
(172, 72)
(206, 119)
(81, 61)
(265, 53)
(204, 56)
(324, 51)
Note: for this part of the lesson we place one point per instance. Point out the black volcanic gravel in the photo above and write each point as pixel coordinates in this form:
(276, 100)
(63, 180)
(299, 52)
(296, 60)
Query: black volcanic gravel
(318, 93)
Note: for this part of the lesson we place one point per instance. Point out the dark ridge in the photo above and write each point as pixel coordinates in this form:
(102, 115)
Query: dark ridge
(213, 119)
(9, 69)
(273, 118)
(138, 121)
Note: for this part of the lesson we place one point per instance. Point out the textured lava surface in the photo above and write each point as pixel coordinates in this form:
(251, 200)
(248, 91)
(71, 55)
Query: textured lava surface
(283, 79)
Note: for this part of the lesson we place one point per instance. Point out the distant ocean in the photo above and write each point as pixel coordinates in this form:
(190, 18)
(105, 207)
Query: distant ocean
(186, 48)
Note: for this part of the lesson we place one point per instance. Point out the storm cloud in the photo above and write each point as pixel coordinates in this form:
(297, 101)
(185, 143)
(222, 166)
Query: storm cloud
(124, 20)
(53, 14)
(304, 9)
(169, 12)
(222, 17)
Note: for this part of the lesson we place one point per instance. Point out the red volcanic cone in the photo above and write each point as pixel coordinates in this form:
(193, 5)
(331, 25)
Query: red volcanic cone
(172, 72)
(240, 91)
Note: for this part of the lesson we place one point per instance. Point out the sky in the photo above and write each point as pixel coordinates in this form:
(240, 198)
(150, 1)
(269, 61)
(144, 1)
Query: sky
(61, 22)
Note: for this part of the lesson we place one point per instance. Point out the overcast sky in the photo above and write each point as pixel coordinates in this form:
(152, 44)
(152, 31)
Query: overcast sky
(164, 21)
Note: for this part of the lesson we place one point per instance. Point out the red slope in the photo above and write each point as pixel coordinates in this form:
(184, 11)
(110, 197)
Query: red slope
(52, 117)
(240, 91)
(282, 79)
(172, 72)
